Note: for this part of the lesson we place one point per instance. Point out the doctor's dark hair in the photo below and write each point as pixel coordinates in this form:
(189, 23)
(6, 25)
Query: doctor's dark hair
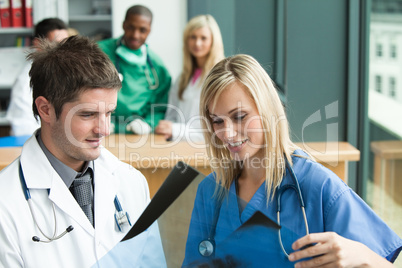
(44, 27)
(245, 72)
(60, 72)
(138, 10)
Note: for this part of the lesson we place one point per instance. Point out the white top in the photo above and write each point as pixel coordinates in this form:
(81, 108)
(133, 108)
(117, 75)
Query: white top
(185, 113)
(11, 63)
(85, 245)
(19, 112)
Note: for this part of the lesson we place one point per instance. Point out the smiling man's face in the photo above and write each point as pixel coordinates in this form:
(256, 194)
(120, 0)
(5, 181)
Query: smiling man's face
(76, 136)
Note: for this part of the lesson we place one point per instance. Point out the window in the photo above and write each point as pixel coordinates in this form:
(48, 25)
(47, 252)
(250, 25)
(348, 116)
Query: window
(392, 87)
(382, 167)
(393, 51)
(378, 50)
(378, 82)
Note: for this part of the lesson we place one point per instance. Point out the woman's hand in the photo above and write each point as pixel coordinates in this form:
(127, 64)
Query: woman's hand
(333, 250)
(164, 128)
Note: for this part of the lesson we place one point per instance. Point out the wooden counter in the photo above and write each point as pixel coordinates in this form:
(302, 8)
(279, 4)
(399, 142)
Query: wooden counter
(155, 157)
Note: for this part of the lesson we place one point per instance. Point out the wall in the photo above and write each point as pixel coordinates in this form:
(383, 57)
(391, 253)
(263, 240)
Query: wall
(303, 47)
(317, 64)
(165, 38)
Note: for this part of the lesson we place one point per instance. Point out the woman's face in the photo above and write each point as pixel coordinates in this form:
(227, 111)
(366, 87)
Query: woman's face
(237, 123)
(200, 42)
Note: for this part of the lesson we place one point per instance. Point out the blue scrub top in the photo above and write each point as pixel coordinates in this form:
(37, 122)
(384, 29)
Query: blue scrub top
(330, 206)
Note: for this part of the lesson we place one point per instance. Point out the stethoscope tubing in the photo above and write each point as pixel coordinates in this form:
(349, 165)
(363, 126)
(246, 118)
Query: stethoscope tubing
(121, 217)
(27, 195)
(296, 187)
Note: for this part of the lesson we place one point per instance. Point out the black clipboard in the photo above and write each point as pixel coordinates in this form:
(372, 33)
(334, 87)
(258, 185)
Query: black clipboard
(175, 183)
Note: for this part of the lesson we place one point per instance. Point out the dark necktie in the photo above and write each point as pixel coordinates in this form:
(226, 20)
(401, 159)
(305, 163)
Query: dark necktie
(82, 191)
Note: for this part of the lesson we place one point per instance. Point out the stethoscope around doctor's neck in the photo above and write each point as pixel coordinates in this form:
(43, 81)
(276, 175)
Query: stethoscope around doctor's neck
(152, 86)
(207, 247)
(120, 216)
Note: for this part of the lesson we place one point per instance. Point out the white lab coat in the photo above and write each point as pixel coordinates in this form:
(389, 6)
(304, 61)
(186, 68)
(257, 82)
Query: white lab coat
(19, 112)
(185, 113)
(83, 246)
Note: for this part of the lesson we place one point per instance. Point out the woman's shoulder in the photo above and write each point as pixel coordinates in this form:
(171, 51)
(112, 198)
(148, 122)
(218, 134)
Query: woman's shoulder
(208, 184)
(321, 184)
(210, 179)
(313, 173)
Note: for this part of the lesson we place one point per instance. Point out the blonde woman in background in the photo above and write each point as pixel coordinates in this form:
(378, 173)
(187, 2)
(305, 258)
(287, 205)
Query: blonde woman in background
(202, 49)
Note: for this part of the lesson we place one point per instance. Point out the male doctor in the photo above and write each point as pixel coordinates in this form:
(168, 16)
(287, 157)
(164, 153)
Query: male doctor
(143, 98)
(57, 205)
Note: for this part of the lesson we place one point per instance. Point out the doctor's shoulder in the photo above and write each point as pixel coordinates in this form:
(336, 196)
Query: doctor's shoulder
(321, 183)
(108, 46)
(208, 186)
(308, 169)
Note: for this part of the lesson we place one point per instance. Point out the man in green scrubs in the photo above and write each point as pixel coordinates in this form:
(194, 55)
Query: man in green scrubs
(146, 82)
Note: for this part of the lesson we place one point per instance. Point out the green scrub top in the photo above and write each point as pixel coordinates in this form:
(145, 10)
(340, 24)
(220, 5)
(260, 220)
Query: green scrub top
(136, 99)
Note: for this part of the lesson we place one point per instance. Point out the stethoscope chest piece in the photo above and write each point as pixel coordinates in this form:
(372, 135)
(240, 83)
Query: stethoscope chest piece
(206, 247)
(121, 218)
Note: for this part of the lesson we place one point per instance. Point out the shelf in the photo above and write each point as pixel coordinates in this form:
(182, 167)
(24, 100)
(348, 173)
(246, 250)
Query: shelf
(89, 18)
(12, 30)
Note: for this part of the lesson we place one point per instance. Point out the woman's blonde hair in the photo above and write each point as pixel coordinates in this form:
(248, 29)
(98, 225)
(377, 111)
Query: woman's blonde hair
(215, 54)
(246, 72)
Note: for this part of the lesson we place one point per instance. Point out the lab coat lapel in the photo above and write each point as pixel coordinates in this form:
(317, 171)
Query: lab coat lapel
(40, 174)
(62, 198)
(105, 191)
(37, 171)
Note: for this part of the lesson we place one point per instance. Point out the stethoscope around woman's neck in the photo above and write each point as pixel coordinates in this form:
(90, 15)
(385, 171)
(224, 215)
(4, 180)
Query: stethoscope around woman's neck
(207, 246)
(120, 216)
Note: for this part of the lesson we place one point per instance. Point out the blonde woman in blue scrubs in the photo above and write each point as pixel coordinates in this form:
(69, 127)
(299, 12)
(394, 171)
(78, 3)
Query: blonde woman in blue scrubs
(248, 140)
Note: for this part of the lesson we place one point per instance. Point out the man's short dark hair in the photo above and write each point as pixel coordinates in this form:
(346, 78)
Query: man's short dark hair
(60, 72)
(138, 10)
(44, 27)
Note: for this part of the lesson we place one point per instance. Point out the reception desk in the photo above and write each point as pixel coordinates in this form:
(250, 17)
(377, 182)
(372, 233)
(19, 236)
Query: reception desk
(155, 157)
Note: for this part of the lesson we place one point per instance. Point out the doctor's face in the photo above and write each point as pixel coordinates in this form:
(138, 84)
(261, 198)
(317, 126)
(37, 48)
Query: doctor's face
(136, 30)
(237, 123)
(77, 134)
